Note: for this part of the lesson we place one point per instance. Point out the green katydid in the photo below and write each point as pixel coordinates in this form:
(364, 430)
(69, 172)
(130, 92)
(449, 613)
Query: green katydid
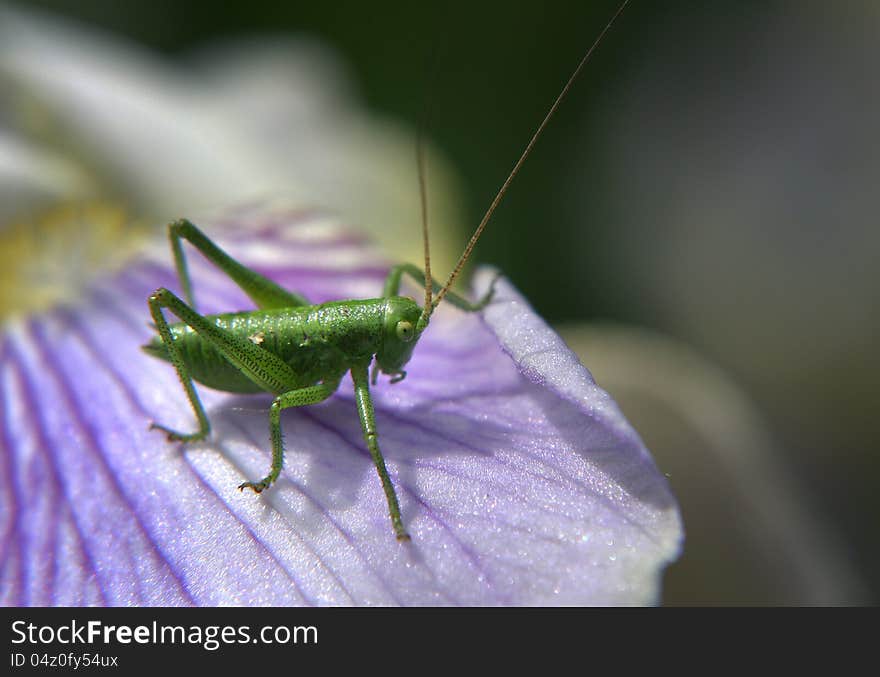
(300, 352)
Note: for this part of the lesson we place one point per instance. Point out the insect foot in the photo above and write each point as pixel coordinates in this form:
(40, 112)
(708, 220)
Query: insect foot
(174, 436)
(256, 486)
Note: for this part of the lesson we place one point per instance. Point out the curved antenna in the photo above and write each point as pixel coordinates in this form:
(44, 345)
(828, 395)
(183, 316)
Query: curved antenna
(423, 194)
(519, 163)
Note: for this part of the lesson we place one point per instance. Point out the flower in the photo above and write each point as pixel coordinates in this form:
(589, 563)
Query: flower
(519, 479)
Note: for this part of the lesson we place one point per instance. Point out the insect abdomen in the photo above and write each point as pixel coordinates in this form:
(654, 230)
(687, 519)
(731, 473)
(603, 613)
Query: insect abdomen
(318, 342)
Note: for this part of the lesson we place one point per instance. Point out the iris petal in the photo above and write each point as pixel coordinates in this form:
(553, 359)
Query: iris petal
(519, 479)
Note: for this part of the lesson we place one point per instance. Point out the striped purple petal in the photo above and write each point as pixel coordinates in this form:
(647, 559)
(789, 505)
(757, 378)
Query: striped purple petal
(519, 479)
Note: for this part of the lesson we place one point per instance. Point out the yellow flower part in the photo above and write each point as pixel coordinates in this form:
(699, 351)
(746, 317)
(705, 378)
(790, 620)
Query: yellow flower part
(48, 260)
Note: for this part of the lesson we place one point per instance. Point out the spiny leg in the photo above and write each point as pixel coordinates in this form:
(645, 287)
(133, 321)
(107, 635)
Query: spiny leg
(155, 303)
(262, 367)
(392, 287)
(293, 398)
(261, 290)
(368, 425)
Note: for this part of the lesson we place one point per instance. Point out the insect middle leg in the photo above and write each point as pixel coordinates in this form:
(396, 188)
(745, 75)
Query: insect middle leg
(293, 398)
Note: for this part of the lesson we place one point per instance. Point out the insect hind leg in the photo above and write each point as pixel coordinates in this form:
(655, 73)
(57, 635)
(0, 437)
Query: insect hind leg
(265, 369)
(155, 303)
(261, 290)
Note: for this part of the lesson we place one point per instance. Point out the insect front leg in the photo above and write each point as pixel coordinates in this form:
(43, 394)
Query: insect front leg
(293, 398)
(392, 287)
(368, 425)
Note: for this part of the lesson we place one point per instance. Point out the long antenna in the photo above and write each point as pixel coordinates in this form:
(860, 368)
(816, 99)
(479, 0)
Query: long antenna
(423, 190)
(522, 159)
(423, 194)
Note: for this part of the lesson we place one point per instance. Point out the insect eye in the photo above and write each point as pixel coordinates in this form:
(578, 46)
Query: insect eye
(405, 331)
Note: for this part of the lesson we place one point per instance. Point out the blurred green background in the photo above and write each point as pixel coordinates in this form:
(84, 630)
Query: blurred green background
(489, 72)
(711, 177)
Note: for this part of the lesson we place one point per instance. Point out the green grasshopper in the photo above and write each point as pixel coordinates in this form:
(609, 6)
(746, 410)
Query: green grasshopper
(299, 352)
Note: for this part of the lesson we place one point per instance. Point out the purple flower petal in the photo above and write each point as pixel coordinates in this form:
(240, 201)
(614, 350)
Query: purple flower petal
(519, 479)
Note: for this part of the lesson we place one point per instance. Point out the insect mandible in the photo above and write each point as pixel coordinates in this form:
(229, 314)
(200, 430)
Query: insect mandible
(306, 349)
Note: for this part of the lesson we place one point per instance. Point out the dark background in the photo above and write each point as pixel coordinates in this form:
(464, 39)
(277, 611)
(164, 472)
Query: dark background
(563, 232)
(489, 72)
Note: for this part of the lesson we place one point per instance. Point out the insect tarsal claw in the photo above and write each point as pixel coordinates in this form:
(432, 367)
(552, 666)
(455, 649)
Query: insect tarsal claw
(256, 486)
